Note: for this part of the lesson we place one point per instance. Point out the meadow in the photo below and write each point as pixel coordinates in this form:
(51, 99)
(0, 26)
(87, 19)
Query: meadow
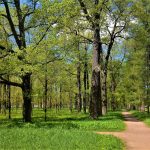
(62, 130)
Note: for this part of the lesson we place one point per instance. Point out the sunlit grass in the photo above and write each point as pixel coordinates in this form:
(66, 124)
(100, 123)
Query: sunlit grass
(62, 131)
(56, 139)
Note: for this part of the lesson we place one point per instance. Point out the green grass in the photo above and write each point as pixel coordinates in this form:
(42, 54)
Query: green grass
(143, 116)
(56, 139)
(62, 130)
(63, 119)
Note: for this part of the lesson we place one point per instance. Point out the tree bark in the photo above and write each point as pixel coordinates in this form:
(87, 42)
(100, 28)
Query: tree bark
(79, 81)
(60, 97)
(26, 91)
(104, 91)
(85, 96)
(96, 100)
(9, 100)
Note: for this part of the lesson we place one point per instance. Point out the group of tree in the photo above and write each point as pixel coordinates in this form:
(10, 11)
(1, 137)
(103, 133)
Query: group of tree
(81, 54)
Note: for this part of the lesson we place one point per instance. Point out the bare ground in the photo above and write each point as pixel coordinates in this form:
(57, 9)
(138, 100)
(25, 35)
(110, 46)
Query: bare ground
(136, 136)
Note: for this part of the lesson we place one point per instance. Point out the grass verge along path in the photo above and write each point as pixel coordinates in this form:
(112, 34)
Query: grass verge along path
(142, 116)
(62, 130)
(136, 136)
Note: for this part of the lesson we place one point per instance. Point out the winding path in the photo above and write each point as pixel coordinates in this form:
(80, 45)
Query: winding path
(136, 135)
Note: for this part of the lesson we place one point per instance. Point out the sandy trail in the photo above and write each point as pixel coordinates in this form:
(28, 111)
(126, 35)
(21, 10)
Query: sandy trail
(136, 135)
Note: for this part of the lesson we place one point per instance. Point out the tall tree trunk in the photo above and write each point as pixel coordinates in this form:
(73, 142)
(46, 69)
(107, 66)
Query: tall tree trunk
(85, 89)
(85, 96)
(45, 95)
(113, 88)
(26, 90)
(104, 91)
(79, 81)
(96, 100)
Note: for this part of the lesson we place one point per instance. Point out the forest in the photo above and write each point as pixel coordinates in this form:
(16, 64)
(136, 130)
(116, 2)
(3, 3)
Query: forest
(69, 67)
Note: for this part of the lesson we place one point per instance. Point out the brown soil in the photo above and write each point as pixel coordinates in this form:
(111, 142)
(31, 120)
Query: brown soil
(136, 135)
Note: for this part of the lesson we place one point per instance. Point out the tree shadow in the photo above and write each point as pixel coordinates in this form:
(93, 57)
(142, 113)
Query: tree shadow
(56, 122)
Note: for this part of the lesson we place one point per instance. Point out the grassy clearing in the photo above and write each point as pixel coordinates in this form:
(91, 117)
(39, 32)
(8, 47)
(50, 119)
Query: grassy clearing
(54, 139)
(143, 116)
(62, 130)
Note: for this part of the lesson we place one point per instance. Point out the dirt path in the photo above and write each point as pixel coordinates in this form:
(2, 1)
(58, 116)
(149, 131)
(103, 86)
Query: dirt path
(136, 135)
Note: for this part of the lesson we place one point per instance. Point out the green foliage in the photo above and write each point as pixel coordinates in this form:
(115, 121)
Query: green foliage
(143, 116)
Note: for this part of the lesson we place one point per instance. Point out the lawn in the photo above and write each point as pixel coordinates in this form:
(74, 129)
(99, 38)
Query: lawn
(143, 116)
(62, 130)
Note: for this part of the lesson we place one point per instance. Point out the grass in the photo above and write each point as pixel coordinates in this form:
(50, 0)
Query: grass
(143, 116)
(54, 139)
(63, 119)
(62, 130)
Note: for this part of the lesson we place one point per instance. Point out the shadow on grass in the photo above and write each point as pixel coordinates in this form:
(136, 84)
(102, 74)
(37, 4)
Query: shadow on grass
(56, 122)
(141, 115)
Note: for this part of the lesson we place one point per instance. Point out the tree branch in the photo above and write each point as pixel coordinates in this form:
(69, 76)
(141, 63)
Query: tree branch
(4, 81)
(11, 23)
(88, 17)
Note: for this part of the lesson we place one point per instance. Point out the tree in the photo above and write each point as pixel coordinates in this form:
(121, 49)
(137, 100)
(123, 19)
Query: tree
(18, 30)
(109, 18)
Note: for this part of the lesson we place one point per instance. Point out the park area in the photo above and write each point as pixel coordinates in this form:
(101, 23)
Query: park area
(75, 131)
(74, 75)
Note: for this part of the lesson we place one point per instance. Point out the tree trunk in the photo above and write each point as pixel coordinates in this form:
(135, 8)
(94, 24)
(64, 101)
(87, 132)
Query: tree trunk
(104, 91)
(70, 101)
(85, 81)
(0, 98)
(9, 102)
(76, 101)
(4, 98)
(26, 90)
(96, 100)
(50, 98)
(60, 97)
(79, 81)
(45, 95)
(85, 92)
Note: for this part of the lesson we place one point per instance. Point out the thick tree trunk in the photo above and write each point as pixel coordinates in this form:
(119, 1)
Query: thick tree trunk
(96, 101)
(104, 91)
(26, 90)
